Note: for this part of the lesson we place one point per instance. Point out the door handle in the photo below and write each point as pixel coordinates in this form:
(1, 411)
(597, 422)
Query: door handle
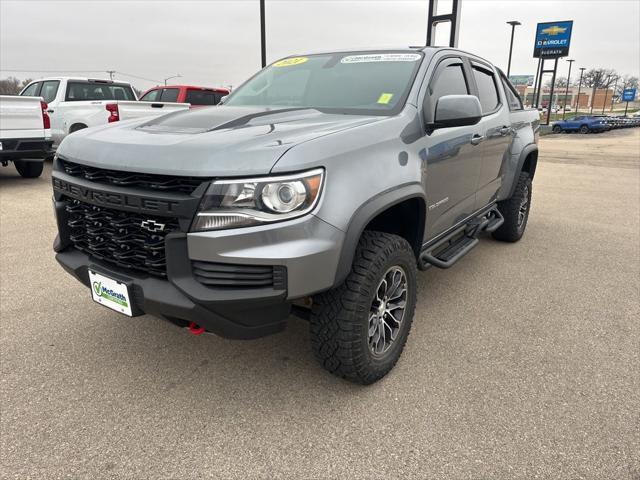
(49, 111)
(477, 139)
(505, 130)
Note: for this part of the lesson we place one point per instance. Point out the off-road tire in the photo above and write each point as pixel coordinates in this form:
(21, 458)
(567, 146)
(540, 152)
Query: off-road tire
(512, 229)
(29, 169)
(584, 129)
(339, 323)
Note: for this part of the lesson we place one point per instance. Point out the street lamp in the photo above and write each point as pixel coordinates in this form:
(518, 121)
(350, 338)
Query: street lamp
(582, 69)
(566, 92)
(513, 24)
(169, 78)
(606, 92)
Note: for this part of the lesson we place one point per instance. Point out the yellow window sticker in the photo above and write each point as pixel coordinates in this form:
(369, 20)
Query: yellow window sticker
(287, 62)
(385, 98)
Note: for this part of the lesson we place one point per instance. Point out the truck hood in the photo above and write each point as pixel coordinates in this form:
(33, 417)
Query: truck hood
(214, 141)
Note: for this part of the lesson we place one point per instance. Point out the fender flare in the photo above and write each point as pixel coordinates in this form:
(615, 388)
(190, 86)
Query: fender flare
(367, 212)
(532, 147)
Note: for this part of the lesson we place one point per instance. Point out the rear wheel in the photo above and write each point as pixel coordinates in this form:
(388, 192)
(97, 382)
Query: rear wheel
(515, 211)
(584, 129)
(29, 169)
(359, 329)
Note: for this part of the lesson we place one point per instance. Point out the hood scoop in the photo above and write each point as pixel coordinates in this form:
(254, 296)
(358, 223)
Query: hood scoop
(218, 118)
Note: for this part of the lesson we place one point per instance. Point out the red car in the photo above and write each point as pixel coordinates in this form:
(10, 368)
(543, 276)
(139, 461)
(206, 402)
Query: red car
(196, 96)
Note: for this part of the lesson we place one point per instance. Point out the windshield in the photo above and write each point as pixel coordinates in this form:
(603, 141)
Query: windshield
(368, 83)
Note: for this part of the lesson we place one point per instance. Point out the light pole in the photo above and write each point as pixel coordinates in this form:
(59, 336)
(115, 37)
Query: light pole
(169, 78)
(606, 91)
(263, 41)
(582, 69)
(613, 96)
(566, 92)
(513, 24)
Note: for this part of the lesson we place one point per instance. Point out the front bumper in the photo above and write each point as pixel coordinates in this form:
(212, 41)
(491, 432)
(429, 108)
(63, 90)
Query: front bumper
(308, 248)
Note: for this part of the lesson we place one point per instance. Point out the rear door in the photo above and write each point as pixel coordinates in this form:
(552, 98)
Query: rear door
(452, 162)
(495, 128)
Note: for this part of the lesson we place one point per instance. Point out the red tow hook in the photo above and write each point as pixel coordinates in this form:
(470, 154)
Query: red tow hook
(195, 328)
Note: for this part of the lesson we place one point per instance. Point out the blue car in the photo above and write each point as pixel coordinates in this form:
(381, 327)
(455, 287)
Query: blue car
(582, 124)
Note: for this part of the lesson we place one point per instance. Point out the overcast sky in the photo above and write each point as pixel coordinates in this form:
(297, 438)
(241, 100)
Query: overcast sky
(213, 42)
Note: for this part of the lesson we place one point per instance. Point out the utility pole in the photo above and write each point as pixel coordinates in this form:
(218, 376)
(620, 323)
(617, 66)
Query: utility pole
(566, 92)
(513, 24)
(582, 69)
(263, 42)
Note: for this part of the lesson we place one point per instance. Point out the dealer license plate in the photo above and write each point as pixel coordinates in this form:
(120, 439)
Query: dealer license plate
(110, 293)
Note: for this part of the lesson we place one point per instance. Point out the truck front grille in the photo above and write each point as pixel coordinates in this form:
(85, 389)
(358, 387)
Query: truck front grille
(164, 183)
(222, 275)
(124, 239)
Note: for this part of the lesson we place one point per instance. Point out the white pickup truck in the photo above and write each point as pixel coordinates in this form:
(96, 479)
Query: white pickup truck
(25, 136)
(77, 103)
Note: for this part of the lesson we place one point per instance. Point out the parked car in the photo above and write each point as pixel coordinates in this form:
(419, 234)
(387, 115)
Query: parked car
(77, 103)
(319, 187)
(25, 134)
(582, 124)
(195, 96)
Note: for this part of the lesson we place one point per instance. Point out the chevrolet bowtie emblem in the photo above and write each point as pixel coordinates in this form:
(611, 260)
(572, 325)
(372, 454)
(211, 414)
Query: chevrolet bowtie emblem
(554, 30)
(152, 226)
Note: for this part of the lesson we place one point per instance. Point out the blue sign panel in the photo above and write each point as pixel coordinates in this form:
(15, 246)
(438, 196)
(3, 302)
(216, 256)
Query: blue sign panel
(628, 94)
(553, 39)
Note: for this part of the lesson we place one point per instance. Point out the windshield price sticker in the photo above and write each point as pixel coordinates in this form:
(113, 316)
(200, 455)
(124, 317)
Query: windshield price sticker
(382, 57)
(288, 62)
(385, 98)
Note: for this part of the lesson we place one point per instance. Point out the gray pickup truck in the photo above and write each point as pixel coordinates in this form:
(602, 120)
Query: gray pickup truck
(319, 188)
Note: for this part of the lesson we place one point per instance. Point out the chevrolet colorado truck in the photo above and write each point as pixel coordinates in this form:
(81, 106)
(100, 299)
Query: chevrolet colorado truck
(25, 134)
(319, 188)
(77, 103)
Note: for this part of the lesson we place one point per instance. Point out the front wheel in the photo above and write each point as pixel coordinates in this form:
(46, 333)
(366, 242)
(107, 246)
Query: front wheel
(584, 129)
(29, 169)
(515, 211)
(557, 129)
(359, 329)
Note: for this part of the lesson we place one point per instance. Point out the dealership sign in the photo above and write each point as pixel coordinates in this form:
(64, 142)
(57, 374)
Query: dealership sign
(628, 94)
(553, 39)
(521, 79)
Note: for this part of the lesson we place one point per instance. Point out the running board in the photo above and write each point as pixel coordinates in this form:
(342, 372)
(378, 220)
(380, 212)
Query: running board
(488, 222)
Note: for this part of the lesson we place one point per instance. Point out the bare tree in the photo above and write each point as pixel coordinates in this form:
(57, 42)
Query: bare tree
(561, 82)
(12, 86)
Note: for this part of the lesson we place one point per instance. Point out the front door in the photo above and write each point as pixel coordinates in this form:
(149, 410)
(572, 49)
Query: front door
(452, 156)
(49, 93)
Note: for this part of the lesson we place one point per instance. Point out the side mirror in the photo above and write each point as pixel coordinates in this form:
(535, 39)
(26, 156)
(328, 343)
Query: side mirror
(457, 111)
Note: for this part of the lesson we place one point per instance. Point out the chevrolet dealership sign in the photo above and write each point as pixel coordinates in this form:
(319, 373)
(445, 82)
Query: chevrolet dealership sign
(553, 39)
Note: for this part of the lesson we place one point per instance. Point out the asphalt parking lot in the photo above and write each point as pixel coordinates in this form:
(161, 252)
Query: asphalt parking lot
(523, 362)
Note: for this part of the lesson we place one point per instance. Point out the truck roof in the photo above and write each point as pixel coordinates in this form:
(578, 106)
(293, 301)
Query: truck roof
(82, 79)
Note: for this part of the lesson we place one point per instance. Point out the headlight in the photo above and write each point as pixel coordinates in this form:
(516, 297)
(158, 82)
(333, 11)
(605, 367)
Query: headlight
(245, 202)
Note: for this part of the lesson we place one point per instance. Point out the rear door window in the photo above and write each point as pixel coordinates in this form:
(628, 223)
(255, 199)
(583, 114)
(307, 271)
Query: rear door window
(169, 95)
(513, 99)
(31, 90)
(202, 97)
(151, 96)
(487, 91)
(84, 91)
(49, 90)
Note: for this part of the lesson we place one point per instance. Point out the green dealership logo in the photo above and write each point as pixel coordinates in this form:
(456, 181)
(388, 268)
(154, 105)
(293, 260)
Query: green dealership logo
(109, 294)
